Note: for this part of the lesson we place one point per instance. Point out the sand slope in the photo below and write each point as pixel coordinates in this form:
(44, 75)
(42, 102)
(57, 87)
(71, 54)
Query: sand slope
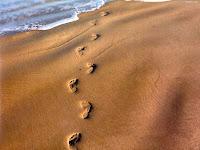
(127, 80)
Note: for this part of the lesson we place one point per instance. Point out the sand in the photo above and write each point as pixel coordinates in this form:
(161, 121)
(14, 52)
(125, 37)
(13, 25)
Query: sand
(136, 64)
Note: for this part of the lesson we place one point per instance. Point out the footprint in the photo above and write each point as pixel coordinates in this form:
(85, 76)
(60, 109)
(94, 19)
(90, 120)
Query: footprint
(92, 67)
(95, 36)
(72, 85)
(93, 22)
(87, 109)
(73, 140)
(80, 50)
(105, 13)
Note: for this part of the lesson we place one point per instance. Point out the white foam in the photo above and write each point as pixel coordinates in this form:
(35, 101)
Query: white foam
(58, 23)
(79, 10)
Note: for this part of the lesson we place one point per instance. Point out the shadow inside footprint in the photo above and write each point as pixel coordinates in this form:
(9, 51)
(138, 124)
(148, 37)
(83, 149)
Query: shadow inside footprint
(75, 138)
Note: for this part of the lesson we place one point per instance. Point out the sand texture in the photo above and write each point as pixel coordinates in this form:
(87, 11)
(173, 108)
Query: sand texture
(124, 77)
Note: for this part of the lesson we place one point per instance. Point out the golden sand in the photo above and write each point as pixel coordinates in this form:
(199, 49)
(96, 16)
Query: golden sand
(144, 89)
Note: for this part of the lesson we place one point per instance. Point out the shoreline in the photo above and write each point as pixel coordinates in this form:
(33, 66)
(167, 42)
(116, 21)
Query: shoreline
(51, 25)
(125, 80)
(72, 19)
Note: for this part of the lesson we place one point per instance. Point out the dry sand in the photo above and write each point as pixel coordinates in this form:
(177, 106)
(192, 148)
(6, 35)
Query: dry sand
(137, 66)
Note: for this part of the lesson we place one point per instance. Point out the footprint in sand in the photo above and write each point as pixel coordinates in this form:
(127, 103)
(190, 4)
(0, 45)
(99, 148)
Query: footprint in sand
(105, 13)
(93, 22)
(72, 85)
(92, 67)
(87, 109)
(73, 140)
(80, 50)
(95, 36)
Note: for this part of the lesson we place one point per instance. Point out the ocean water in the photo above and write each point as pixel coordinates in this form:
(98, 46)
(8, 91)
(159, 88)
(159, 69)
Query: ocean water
(24, 15)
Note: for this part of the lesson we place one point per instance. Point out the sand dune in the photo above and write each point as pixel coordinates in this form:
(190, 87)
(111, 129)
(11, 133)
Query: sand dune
(136, 64)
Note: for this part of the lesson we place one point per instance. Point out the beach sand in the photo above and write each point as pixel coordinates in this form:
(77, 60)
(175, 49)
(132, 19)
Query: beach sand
(128, 79)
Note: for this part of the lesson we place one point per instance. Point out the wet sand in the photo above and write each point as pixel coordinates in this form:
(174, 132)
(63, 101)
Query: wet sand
(128, 79)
